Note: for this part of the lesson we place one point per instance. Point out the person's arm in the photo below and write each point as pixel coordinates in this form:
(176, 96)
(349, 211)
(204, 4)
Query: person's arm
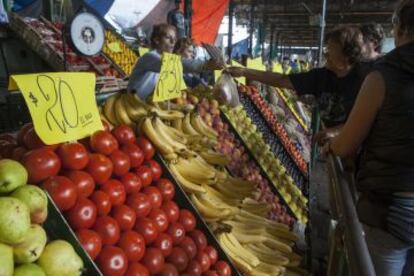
(363, 114)
(269, 78)
(322, 136)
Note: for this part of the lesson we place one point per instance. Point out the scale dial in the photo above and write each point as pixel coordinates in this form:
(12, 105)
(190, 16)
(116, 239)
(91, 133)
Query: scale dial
(87, 34)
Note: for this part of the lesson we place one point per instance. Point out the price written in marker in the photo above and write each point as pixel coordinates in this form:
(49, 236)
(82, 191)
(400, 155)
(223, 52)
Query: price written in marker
(170, 82)
(62, 105)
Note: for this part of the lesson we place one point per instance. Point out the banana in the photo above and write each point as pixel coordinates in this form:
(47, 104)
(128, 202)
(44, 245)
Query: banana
(150, 132)
(174, 133)
(136, 102)
(134, 112)
(215, 158)
(245, 254)
(270, 269)
(103, 118)
(199, 125)
(167, 114)
(217, 203)
(121, 113)
(272, 258)
(209, 211)
(215, 194)
(109, 109)
(177, 124)
(187, 127)
(194, 172)
(170, 157)
(187, 185)
(177, 146)
(241, 264)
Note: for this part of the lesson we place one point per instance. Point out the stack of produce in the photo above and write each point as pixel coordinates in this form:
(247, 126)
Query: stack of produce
(24, 249)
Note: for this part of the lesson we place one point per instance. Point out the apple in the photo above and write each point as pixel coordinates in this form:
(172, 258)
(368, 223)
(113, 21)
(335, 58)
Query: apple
(12, 175)
(36, 199)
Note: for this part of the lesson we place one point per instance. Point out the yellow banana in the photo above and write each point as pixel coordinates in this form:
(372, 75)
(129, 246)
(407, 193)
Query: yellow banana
(208, 211)
(134, 112)
(136, 102)
(177, 124)
(241, 264)
(199, 125)
(150, 132)
(188, 128)
(264, 267)
(272, 258)
(187, 185)
(193, 171)
(216, 194)
(216, 203)
(109, 109)
(245, 254)
(177, 146)
(174, 133)
(121, 113)
(215, 158)
(167, 114)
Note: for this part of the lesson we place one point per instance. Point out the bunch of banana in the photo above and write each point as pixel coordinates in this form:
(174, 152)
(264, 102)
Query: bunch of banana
(214, 157)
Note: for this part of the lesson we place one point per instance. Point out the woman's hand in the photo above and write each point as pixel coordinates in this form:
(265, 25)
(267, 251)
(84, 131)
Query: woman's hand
(326, 148)
(214, 64)
(236, 71)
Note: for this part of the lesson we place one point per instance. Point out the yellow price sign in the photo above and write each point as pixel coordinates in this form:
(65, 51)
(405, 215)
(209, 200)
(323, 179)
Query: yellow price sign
(217, 73)
(62, 105)
(142, 51)
(256, 64)
(170, 82)
(115, 47)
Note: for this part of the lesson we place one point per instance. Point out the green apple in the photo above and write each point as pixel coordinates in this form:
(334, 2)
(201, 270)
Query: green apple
(12, 175)
(6, 260)
(14, 220)
(29, 270)
(36, 199)
(31, 247)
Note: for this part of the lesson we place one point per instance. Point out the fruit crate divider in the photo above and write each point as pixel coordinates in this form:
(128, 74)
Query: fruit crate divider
(57, 227)
(183, 201)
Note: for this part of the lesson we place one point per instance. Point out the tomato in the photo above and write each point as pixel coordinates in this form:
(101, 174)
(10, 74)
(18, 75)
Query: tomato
(112, 261)
(153, 260)
(199, 239)
(164, 243)
(73, 156)
(189, 247)
(85, 185)
(172, 211)
(167, 188)
(115, 190)
(124, 134)
(18, 153)
(137, 269)
(108, 229)
(22, 133)
(82, 215)
(103, 142)
(169, 270)
(136, 156)
(133, 245)
(90, 241)
(141, 203)
(62, 190)
(187, 219)
(160, 218)
(194, 268)
(125, 216)
(41, 164)
(147, 229)
(121, 162)
(145, 174)
(102, 202)
(178, 258)
(212, 254)
(222, 268)
(99, 167)
(155, 195)
(131, 182)
(177, 232)
(210, 273)
(204, 260)
(31, 140)
(146, 147)
(155, 169)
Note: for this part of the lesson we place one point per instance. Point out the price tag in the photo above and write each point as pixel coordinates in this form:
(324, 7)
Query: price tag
(170, 82)
(142, 51)
(62, 105)
(115, 47)
(217, 73)
(256, 64)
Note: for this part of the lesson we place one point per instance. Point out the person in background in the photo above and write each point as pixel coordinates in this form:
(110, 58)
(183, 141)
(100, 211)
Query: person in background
(373, 39)
(287, 69)
(382, 120)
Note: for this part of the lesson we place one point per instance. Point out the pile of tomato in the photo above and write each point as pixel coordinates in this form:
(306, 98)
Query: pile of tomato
(113, 195)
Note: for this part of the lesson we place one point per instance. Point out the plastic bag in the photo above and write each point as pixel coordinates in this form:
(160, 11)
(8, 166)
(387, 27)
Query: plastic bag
(225, 90)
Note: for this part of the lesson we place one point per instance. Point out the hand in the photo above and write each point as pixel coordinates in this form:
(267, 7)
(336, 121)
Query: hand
(326, 148)
(322, 136)
(214, 64)
(236, 71)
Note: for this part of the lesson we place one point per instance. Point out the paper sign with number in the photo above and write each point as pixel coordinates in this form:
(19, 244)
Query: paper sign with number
(256, 64)
(171, 81)
(62, 105)
(115, 47)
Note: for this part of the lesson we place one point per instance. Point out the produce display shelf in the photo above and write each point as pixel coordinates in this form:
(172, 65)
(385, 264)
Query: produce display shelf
(292, 109)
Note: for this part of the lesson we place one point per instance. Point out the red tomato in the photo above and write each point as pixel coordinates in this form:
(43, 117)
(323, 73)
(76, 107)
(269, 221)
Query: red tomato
(137, 269)
(141, 203)
(99, 167)
(146, 147)
(222, 268)
(124, 134)
(133, 245)
(153, 260)
(112, 261)
(172, 210)
(125, 216)
(103, 142)
(18, 153)
(199, 239)
(121, 162)
(82, 215)
(160, 219)
(85, 185)
(22, 133)
(204, 260)
(155, 195)
(41, 164)
(210, 273)
(90, 241)
(155, 169)
(177, 232)
(62, 190)
(102, 202)
(73, 156)
(194, 268)
(108, 229)
(145, 174)
(167, 188)
(169, 270)
(212, 254)
(115, 190)
(131, 182)
(189, 247)
(178, 258)
(165, 243)
(136, 156)
(187, 219)
(147, 229)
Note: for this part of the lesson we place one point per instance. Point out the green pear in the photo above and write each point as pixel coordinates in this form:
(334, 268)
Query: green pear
(6, 260)
(36, 199)
(59, 258)
(31, 247)
(12, 175)
(14, 220)
(29, 270)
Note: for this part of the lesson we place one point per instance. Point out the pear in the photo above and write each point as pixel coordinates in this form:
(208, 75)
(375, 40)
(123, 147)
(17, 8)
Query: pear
(36, 199)
(14, 220)
(32, 246)
(12, 175)
(59, 258)
(6, 260)
(29, 270)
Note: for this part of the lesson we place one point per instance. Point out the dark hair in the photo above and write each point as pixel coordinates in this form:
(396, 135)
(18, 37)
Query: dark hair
(373, 32)
(158, 31)
(182, 44)
(404, 17)
(350, 40)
